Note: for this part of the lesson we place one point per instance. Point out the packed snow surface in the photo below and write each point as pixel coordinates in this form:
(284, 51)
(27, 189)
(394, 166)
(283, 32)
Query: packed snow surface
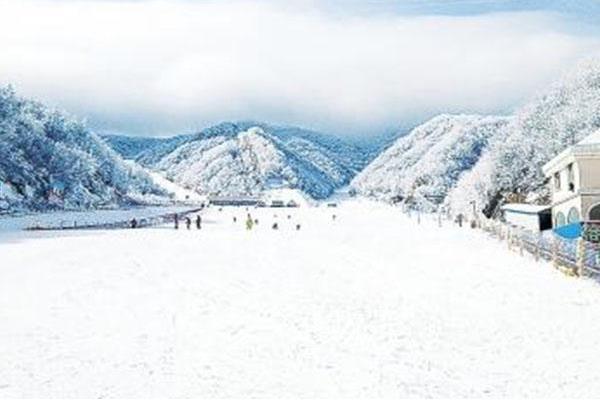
(369, 304)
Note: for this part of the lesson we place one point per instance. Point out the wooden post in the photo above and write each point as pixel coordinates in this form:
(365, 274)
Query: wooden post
(555, 252)
(580, 256)
(521, 245)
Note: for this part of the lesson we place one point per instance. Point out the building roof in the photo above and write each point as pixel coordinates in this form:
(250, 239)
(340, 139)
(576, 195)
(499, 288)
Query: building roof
(594, 138)
(233, 198)
(525, 208)
(588, 146)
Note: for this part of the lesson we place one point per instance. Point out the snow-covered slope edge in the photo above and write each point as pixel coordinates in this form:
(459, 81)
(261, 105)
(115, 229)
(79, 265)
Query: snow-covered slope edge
(179, 194)
(424, 165)
(50, 161)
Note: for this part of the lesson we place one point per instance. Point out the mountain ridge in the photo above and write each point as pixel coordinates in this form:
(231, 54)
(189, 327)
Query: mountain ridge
(52, 161)
(315, 163)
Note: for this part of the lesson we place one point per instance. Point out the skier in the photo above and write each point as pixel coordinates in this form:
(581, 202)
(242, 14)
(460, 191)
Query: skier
(333, 217)
(134, 223)
(275, 226)
(176, 219)
(249, 222)
(188, 222)
(234, 219)
(198, 222)
(297, 227)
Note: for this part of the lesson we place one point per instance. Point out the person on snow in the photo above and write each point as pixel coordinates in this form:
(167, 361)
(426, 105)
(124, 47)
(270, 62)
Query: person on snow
(249, 222)
(134, 223)
(198, 222)
(176, 219)
(275, 226)
(234, 219)
(188, 222)
(459, 219)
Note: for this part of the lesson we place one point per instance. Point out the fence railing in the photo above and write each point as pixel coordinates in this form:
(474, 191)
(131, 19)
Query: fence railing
(573, 256)
(576, 257)
(141, 222)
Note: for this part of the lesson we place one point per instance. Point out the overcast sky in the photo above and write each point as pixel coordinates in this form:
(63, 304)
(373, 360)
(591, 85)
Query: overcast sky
(159, 67)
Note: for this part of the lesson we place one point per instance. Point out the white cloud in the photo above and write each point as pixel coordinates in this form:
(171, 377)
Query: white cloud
(157, 66)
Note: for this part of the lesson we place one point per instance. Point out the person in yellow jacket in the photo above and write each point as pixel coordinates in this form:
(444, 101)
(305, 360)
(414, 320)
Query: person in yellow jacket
(249, 222)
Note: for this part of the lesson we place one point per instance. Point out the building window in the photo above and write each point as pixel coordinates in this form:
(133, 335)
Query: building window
(560, 219)
(595, 213)
(573, 216)
(557, 181)
(571, 178)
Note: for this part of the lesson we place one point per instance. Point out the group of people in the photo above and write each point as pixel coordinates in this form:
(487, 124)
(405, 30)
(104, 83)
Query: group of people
(188, 222)
(250, 222)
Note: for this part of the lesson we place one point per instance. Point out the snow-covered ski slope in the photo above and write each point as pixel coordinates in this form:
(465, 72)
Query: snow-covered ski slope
(368, 305)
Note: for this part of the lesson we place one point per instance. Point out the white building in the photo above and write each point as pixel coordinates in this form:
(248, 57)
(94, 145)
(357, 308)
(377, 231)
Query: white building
(574, 176)
(532, 217)
(284, 197)
(234, 200)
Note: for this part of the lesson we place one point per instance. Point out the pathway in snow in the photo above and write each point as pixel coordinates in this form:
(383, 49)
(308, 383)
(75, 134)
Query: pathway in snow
(368, 305)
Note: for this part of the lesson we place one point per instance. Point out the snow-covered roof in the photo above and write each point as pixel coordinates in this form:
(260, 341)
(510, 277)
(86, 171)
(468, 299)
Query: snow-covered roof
(525, 208)
(594, 138)
(286, 195)
(590, 145)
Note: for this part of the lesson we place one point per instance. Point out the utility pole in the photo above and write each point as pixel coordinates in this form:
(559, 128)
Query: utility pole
(475, 219)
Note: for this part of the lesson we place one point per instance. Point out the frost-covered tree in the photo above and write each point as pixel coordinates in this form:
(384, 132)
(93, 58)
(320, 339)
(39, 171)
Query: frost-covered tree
(250, 157)
(425, 164)
(50, 160)
(565, 114)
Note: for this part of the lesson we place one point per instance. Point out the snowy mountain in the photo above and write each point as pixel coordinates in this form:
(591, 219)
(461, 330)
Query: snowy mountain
(424, 165)
(511, 165)
(145, 150)
(50, 161)
(249, 157)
